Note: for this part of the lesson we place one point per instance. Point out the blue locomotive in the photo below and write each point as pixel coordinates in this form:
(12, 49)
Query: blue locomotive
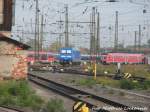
(69, 56)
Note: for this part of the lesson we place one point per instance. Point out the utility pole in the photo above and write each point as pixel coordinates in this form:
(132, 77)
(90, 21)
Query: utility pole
(116, 33)
(93, 32)
(59, 40)
(41, 33)
(135, 40)
(97, 44)
(110, 35)
(66, 28)
(93, 40)
(139, 40)
(38, 35)
(98, 35)
(36, 30)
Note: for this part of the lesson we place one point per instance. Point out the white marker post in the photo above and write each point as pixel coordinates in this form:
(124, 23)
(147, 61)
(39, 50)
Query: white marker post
(118, 68)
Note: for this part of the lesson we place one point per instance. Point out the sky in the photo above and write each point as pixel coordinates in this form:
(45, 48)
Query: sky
(130, 16)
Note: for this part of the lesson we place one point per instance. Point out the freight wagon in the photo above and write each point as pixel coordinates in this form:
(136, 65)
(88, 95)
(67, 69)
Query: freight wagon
(125, 58)
(69, 56)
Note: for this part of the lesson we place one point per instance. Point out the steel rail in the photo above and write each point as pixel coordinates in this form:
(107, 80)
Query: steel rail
(120, 90)
(11, 108)
(73, 71)
(71, 93)
(54, 87)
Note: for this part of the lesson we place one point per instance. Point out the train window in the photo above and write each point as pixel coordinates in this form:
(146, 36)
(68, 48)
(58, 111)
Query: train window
(104, 57)
(68, 51)
(63, 51)
(30, 56)
(43, 57)
(50, 56)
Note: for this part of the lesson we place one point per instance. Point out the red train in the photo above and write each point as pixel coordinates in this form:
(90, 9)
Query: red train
(125, 58)
(108, 58)
(44, 57)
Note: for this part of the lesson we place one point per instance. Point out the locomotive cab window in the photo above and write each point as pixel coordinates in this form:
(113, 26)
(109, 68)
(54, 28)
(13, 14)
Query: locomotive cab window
(68, 51)
(63, 51)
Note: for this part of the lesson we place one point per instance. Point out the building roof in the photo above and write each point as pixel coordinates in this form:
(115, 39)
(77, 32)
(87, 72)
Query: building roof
(15, 42)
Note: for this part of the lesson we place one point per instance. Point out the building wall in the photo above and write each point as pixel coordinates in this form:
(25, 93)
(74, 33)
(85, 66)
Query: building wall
(1, 11)
(6, 12)
(13, 63)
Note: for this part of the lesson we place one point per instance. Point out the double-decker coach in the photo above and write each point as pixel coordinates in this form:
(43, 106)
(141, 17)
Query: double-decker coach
(127, 58)
(44, 57)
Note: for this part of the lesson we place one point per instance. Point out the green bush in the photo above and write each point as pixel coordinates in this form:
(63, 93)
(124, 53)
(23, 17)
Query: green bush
(19, 94)
(127, 84)
(87, 82)
(55, 105)
(146, 84)
(106, 81)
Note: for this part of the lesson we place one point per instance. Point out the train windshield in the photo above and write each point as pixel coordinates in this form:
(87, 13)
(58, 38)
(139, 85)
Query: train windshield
(66, 51)
(63, 51)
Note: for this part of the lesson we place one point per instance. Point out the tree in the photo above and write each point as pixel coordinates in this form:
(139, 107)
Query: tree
(120, 46)
(55, 46)
(148, 43)
(84, 50)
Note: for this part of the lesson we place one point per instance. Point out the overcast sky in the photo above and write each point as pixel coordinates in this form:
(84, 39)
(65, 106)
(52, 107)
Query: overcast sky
(130, 16)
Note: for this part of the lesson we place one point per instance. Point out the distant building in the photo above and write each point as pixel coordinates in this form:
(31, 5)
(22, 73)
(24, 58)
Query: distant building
(6, 16)
(1, 11)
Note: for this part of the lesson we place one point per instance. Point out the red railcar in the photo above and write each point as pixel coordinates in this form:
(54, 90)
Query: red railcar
(45, 57)
(126, 58)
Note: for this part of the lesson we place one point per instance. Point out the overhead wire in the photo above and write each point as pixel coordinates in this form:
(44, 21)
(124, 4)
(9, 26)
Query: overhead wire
(85, 11)
(139, 3)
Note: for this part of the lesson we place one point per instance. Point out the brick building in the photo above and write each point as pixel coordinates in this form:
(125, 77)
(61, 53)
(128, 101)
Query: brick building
(13, 64)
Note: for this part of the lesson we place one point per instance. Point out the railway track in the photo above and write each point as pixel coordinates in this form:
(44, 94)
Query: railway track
(141, 79)
(76, 70)
(10, 109)
(79, 71)
(93, 101)
(129, 92)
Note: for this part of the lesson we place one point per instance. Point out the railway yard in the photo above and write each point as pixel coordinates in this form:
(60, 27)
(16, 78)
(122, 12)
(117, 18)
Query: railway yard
(128, 98)
(71, 84)
(74, 56)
